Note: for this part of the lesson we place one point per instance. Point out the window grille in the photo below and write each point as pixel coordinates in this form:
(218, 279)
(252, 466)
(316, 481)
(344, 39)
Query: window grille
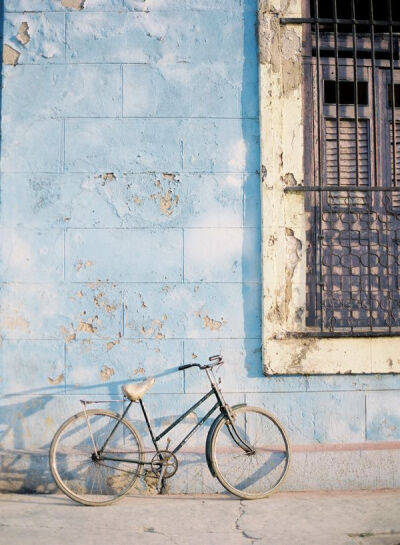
(352, 197)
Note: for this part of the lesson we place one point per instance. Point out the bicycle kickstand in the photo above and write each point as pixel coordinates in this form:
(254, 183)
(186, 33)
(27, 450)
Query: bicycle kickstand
(160, 482)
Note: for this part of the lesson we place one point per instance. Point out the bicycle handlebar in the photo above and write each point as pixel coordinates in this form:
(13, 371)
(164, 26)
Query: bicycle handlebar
(182, 367)
(217, 360)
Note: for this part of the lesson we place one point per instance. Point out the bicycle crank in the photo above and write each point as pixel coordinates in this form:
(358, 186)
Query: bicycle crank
(164, 462)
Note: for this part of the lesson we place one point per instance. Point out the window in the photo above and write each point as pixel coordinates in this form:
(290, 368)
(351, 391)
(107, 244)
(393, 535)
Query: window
(330, 169)
(351, 59)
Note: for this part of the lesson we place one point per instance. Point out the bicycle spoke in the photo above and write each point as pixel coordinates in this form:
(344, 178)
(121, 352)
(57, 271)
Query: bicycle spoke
(250, 474)
(75, 467)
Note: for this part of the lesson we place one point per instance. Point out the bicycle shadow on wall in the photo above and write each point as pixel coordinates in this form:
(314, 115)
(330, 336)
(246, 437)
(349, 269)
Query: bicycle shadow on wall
(251, 245)
(23, 470)
(28, 425)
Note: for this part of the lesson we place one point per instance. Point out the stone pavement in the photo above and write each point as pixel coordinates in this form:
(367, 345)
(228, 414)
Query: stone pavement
(295, 518)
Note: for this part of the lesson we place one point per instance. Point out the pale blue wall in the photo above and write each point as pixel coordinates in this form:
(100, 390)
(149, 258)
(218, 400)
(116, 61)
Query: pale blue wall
(124, 270)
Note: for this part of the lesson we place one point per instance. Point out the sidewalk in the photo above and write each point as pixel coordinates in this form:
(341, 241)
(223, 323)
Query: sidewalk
(295, 518)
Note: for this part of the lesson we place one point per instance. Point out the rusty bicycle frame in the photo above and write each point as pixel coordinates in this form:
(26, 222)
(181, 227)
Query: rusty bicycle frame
(164, 455)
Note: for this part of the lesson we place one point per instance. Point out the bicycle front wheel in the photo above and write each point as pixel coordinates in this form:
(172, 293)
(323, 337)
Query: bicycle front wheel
(73, 462)
(252, 475)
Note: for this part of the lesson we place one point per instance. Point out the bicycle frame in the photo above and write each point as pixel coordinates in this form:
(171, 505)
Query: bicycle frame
(221, 404)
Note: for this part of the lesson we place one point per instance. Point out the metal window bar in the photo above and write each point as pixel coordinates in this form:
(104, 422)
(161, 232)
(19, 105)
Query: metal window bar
(375, 159)
(319, 300)
(355, 80)
(333, 20)
(335, 27)
(389, 4)
(354, 223)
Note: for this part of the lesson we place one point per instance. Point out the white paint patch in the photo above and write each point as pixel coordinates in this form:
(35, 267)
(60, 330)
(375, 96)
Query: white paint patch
(238, 156)
(211, 252)
(234, 180)
(15, 251)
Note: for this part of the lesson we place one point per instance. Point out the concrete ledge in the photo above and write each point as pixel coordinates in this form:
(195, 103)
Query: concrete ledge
(372, 465)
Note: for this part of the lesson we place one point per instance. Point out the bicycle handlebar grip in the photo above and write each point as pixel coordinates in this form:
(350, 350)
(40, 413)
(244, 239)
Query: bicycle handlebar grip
(217, 358)
(182, 367)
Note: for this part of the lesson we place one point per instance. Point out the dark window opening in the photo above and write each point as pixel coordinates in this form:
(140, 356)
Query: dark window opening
(361, 53)
(346, 92)
(396, 92)
(363, 10)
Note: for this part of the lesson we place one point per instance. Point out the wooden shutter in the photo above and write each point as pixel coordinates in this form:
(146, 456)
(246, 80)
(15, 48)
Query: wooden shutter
(347, 152)
(397, 149)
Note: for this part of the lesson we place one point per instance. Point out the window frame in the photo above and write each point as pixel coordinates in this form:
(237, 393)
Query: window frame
(289, 347)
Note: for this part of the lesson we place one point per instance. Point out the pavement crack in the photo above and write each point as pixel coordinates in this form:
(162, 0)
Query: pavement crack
(245, 534)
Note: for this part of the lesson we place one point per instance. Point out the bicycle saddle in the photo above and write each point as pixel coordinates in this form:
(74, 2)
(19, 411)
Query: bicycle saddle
(136, 390)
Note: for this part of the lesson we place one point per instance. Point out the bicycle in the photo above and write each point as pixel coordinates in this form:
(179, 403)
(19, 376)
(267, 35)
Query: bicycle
(96, 456)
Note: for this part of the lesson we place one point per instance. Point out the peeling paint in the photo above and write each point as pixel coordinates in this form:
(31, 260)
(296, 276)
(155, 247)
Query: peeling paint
(23, 35)
(10, 55)
(101, 303)
(167, 197)
(290, 180)
(70, 338)
(169, 176)
(57, 380)
(272, 239)
(291, 60)
(73, 4)
(276, 314)
(194, 356)
(109, 176)
(139, 371)
(84, 265)
(168, 201)
(15, 322)
(212, 324)
(268, 38)
(106, 373)
(111, 344)
(296, 362)
(87, 327)
(293, 257)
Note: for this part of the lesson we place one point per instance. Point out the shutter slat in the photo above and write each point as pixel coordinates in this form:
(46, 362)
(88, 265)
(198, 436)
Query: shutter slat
(348, 152)
(397, 149)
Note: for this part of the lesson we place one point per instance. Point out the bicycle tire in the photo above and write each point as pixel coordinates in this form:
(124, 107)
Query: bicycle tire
(250, 476)
(76, 473)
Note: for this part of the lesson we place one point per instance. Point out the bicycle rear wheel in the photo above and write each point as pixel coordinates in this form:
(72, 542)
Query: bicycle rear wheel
(254, 475)
(73, 464)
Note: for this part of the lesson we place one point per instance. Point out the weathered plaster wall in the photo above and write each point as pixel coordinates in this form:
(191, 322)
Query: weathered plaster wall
(130, 236)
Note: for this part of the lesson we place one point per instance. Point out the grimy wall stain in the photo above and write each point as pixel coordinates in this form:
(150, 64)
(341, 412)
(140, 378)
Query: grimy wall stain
(130, 236)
